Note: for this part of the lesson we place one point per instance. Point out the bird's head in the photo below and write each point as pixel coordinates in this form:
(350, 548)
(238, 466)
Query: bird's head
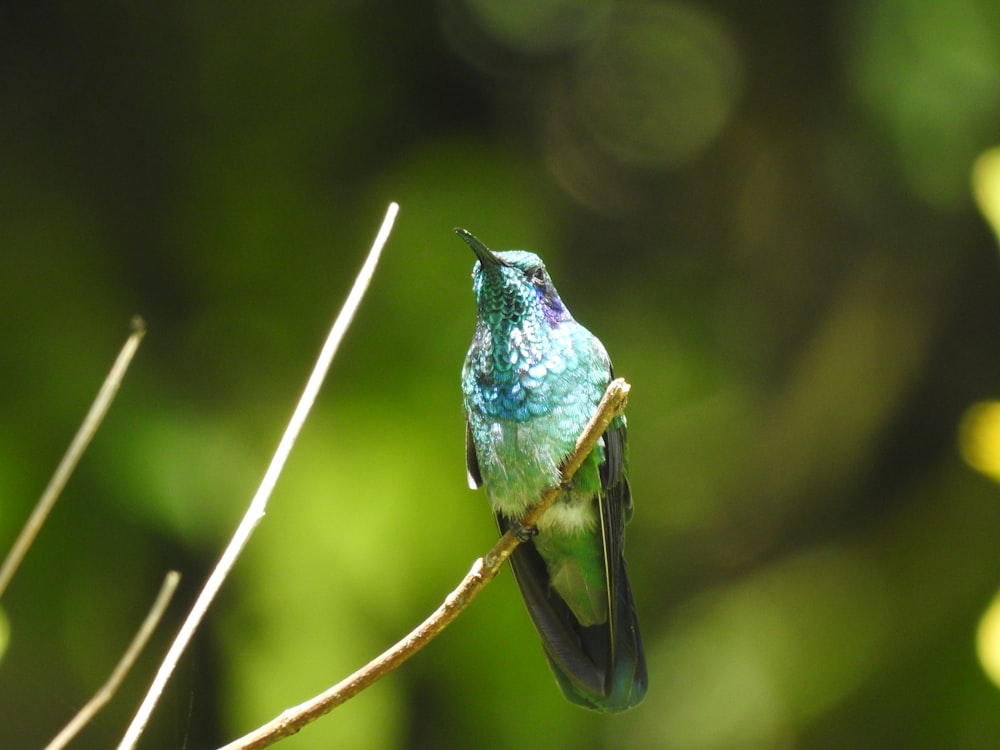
(512, 285)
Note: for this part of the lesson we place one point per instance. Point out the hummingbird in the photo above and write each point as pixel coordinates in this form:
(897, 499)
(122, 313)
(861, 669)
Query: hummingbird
(532, 379)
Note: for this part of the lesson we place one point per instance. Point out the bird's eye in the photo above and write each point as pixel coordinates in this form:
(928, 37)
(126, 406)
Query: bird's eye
(536, 275)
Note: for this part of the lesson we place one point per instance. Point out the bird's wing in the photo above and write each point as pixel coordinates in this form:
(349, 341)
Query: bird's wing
(626, 679)
(472, 461)
(563, 638)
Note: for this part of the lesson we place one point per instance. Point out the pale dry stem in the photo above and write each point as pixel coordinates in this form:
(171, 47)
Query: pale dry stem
(102, 402)
(108, 689)
(257, 506)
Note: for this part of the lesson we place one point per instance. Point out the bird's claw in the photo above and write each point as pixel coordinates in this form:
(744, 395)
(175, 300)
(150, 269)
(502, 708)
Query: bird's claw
(521, 532)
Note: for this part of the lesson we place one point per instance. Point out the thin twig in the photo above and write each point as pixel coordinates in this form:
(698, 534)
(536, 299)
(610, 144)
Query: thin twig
(259, 503)
(483, 571)
(71, 458)
(107, 690)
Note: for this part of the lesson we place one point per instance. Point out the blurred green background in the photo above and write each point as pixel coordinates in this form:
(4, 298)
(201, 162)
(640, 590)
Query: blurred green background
(765, 210)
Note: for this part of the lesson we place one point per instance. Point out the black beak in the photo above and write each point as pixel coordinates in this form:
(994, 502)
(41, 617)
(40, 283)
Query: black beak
(486, 256)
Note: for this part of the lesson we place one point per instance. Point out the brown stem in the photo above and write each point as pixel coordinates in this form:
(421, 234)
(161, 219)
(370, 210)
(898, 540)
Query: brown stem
(483, 571)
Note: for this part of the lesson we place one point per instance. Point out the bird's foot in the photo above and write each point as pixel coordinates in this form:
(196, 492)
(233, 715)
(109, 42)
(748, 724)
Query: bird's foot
(521, 532)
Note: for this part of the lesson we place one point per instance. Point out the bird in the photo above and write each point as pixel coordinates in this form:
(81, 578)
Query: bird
(531, 381)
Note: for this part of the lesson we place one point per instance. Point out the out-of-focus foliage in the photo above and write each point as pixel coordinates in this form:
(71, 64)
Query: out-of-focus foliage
(765, 211)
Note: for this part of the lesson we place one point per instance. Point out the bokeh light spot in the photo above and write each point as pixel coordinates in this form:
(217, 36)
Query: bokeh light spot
(988, 640)
(658, 84)
(979, 438)
(4, 634)
(544, 26)
(986, 186)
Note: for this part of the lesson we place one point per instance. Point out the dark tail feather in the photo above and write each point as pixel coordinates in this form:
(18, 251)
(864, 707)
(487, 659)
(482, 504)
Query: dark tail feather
(593, 669)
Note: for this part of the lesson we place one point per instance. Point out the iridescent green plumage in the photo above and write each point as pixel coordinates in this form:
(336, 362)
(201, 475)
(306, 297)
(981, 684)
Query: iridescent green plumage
(532, 379)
